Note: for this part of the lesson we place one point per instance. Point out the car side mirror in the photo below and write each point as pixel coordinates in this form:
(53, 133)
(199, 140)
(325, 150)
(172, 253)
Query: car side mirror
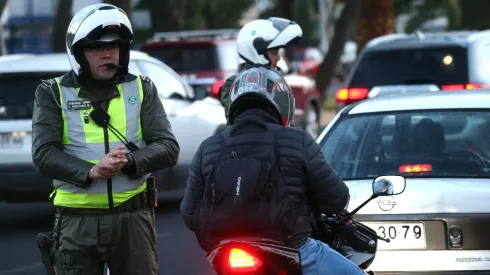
(215, 88)
(389, 185)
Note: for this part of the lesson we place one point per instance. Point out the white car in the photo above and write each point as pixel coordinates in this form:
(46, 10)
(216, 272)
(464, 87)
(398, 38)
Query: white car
(193, 119)
(440, 143)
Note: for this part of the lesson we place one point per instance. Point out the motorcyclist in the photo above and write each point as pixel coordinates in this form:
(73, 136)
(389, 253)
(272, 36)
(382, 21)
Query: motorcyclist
(383, 187)
(258, 43)
(261, 96)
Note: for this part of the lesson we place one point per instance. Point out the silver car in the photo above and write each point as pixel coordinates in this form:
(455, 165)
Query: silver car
(440, 142)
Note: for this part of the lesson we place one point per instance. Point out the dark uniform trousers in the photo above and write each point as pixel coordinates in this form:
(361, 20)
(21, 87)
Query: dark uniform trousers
(124, 237)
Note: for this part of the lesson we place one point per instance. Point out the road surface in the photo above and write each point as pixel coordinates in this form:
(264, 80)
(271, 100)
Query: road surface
(178, 250)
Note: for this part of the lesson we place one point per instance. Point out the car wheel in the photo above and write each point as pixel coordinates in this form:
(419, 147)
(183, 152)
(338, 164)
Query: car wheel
(312, 120)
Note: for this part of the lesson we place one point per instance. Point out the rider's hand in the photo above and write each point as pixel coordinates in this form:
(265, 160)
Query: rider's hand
(110, 164)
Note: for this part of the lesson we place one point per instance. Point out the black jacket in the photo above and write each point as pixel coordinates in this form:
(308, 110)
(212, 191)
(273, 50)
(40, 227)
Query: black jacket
(305, 171)
(162, 149)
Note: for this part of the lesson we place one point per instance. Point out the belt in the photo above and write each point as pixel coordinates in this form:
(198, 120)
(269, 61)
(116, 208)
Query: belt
(136, 202)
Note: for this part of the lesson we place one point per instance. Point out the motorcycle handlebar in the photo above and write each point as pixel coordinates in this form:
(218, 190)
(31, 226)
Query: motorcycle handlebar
(363, 238)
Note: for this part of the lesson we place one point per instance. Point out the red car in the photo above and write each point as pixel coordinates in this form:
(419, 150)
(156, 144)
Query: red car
(206, 58)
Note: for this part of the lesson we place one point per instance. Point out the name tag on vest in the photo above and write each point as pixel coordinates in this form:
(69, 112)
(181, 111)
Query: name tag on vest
(79, 105)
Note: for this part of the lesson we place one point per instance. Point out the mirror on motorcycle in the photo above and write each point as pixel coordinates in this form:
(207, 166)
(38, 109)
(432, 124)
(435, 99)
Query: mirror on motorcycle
(215, 88)
(389, 185)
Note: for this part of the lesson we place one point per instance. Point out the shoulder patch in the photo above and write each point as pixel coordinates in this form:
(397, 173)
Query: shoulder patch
(48, 83)
(145, 78)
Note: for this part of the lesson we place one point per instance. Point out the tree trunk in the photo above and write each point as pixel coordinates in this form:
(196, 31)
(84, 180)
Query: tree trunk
(286, 8)
(125, 5)
(329, 63)
(61, 23)
(375, 18)
(3, 47)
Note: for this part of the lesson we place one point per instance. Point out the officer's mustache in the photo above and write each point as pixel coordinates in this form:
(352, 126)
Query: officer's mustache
(112, 66)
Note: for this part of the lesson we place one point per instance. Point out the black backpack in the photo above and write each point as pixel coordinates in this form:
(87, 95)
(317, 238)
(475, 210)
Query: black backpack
(245, 195)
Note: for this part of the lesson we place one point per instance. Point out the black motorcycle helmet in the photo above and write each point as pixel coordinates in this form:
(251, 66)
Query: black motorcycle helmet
(264, 88)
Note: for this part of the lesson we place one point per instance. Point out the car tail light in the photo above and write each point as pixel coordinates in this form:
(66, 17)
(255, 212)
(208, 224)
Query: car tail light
(241, 261)
(469, 86)
(415, 168)
(349, 95)
(215, 88)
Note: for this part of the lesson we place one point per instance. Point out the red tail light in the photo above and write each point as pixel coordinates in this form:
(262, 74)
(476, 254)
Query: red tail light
(349, 95)
(215, 88)
(415, 168)
(241, 261)
(469, 86)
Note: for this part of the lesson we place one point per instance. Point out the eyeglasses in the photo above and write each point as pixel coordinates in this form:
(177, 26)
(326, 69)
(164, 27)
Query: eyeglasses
(102, 49)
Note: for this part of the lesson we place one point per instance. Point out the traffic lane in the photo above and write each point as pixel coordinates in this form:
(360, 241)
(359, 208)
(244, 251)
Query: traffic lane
(178, 251)
(19, 226)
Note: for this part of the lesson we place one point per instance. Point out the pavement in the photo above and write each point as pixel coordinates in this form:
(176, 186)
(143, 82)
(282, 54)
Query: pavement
(178, 251)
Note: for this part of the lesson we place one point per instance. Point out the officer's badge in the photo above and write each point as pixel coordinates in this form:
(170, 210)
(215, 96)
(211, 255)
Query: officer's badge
(132, 100)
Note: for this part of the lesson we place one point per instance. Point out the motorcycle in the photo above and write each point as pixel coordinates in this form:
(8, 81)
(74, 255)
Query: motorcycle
(341, 232)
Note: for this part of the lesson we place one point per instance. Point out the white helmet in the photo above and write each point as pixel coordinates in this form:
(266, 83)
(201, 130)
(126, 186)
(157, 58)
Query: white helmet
(98, 24)
(258, 36)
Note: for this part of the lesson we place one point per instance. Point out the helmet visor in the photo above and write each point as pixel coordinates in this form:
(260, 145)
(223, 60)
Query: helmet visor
(77, 20)
(280, 23)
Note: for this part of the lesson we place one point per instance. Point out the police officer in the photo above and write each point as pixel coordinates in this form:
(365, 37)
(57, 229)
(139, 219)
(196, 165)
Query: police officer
(99, 131)
(258, 43)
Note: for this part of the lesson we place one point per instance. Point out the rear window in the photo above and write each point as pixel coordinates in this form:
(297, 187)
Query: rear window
(196, 57)
(412, 144)
(440, 66)
(17, 94)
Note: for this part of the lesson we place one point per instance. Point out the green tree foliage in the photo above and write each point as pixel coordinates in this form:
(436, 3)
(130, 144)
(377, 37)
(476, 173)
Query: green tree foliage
(375, 18)
(305, 13)
(462, 15)
(223, 13)
(175, 15)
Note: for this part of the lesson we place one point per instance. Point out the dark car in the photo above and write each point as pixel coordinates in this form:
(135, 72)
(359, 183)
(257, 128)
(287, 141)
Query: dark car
(432, 62)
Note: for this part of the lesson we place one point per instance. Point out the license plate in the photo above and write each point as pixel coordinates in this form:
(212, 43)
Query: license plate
(403, 235)
(7, 140)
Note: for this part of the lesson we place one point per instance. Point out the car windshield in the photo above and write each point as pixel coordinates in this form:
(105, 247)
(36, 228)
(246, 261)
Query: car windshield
(17, 94)
(440, 66)
(448, 143)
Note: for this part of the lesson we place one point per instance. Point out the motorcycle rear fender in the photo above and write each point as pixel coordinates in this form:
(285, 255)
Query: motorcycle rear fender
(274, 257)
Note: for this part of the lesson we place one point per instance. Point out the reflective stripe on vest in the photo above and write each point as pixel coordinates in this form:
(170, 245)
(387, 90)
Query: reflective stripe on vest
(86, 141)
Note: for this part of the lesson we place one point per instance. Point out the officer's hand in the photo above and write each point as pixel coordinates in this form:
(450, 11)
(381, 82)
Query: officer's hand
(96, 173)
(112, 162)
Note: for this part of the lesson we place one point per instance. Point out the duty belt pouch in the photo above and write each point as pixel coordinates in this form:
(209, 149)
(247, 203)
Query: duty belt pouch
(151, 192)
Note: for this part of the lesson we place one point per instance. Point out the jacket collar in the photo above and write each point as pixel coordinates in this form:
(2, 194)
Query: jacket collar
(256, 114)
(95, 94)
(70, 79)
